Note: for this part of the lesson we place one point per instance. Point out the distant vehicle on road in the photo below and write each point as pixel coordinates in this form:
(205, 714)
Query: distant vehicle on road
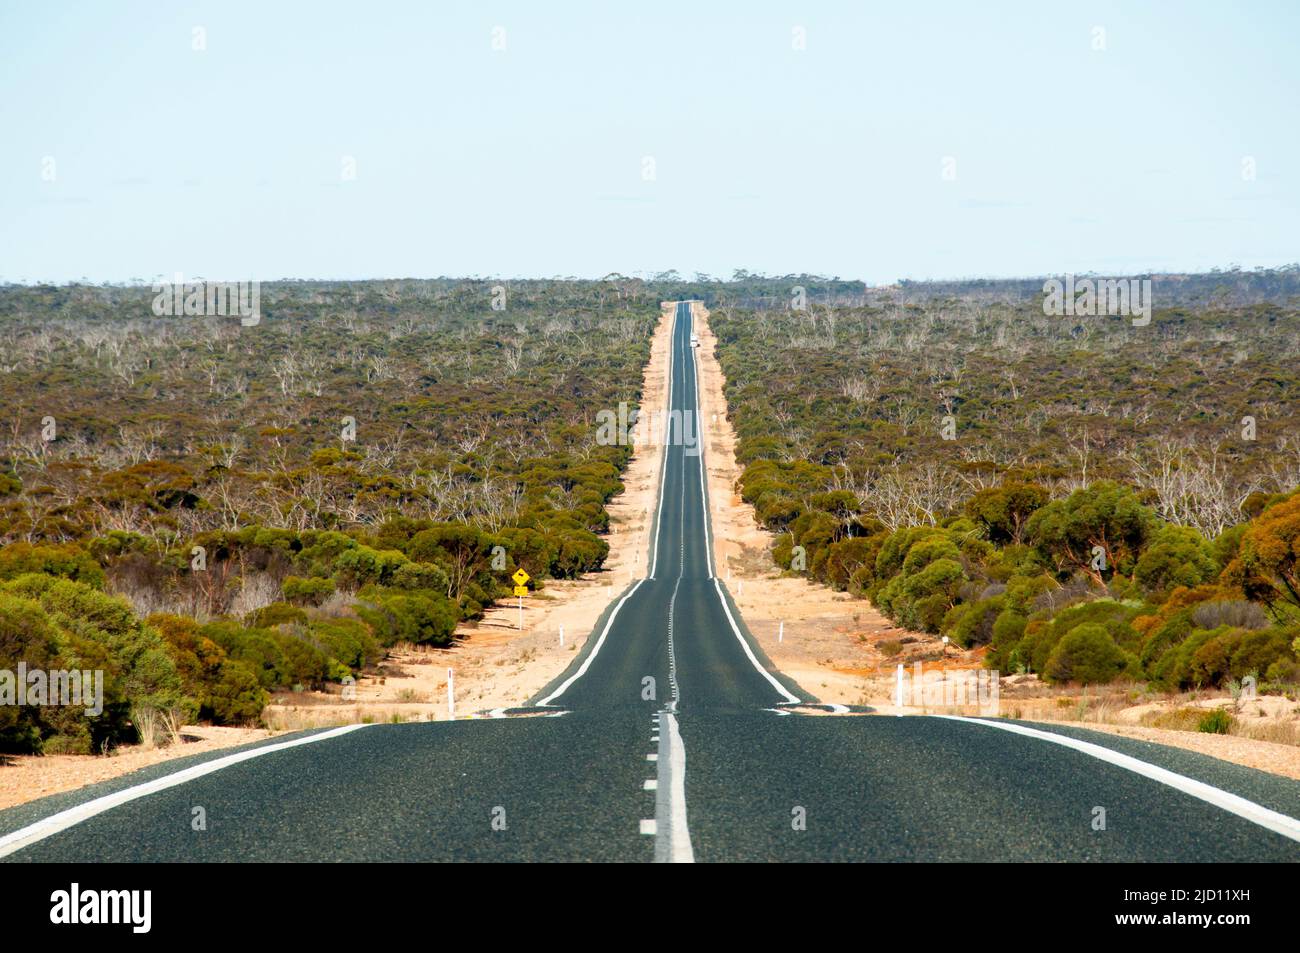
(695, 341)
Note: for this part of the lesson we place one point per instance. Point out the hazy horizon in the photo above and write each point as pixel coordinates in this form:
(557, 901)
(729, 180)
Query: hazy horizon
(683, 278)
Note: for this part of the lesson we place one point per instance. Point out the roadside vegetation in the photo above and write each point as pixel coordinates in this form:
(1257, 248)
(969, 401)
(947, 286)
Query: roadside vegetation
(211, 513)
(1080, 498)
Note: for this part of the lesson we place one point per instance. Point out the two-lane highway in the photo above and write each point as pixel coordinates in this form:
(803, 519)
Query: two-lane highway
(670, 737)
(675, 627)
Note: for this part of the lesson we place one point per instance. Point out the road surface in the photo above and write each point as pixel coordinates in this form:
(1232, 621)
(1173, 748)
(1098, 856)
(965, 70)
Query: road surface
(671, 738)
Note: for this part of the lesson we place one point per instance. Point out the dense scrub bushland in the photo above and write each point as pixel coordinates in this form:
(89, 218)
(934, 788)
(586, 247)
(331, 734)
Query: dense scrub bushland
(211, 512)
(1087, 497)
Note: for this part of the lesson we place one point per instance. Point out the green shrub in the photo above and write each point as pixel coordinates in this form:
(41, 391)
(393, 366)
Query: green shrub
(973, 624)
(894, 549)
(227, 689)
(321, 549)
(311, 591)
(235, 697)
(1008, 632)
(1177, 556)
(1086, 654)
(94, 631)
(1285, 671)
(26, 635)
(579, 551)
(1208, 663)
(55, 559)
(1226, 653)
(423, 618)
(304, 661)
(420, 576)
(1002, 512)
(1012, 562)
(921, 601)
(1104, 514)
(929, 550)
(275, 614)
(347, 641)
(257, 648)
(1216, 722)
(1174, 668)
(846, 557)
(1114, 617)
(1260, 650)
(362, 565)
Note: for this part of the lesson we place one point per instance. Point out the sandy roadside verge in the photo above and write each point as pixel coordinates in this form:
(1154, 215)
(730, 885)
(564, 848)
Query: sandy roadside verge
(494, 664)
(25, 778)
(829, 640)
(842, 649)
(1262, 755)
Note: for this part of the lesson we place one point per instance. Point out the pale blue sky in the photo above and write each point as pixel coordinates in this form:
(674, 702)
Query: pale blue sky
(227, 163)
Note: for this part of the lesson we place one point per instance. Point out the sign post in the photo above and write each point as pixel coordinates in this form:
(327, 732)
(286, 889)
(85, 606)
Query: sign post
(521, 589)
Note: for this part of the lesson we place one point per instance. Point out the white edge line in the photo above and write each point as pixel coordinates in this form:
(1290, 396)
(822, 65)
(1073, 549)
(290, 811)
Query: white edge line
(61, 821)
(708, 547)
(654, 562)
(586, 663)
(1226, 800)
(749, 653)
(704, 504)
(663, 449)
(699, 435)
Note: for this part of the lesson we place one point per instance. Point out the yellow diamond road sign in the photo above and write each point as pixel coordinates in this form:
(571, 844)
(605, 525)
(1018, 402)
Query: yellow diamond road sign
(520, 577)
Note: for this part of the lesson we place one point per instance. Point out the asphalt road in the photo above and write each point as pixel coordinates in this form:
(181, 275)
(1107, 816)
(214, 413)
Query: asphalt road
(670, 738)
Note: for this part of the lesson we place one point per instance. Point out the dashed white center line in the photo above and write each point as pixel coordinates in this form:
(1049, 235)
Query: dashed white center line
(673, 836)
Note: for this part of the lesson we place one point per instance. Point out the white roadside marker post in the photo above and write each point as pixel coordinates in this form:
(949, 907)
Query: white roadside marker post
(451, 695)
(780, 633)
(898, 689)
